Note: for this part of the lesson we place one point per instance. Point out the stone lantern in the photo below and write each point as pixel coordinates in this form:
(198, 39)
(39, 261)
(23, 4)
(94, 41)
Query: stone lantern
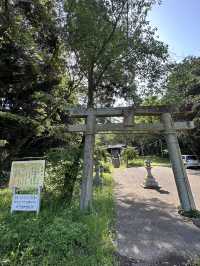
(150, 182)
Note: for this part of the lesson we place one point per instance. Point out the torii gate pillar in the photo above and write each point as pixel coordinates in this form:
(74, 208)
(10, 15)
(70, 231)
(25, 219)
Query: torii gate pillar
(87, 179)
(181, 179)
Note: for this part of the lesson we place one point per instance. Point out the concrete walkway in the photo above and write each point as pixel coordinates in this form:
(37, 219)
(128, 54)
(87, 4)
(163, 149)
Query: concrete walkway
(149, 229)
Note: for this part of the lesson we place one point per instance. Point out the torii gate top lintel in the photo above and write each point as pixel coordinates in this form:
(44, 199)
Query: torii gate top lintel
(128, 114)
(81, 112)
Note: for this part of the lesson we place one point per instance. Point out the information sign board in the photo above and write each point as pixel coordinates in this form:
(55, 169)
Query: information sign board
(27, 174)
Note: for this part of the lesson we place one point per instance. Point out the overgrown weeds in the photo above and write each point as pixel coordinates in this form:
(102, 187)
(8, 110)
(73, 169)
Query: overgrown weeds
(61, 234)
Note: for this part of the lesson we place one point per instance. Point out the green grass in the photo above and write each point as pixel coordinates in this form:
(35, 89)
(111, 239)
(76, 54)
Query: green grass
(156, 161)
(190, 214)
(60, 235)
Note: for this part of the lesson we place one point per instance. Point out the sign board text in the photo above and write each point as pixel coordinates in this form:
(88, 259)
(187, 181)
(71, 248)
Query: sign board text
(25, 202)
(27, 174)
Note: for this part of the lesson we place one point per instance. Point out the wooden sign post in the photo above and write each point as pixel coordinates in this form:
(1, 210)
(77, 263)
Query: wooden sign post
(26, 176)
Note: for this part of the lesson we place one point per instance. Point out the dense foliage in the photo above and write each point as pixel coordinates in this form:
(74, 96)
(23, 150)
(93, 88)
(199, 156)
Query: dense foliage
(183, 89)
(33, 83)
(129, 153)
(112, 45)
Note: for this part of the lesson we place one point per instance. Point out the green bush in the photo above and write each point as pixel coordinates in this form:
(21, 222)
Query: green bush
(63, 168)
(101, 154)
(107, 167)
(128, 154)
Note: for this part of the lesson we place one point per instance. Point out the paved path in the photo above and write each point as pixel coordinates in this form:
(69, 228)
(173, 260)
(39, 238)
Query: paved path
(149, 229)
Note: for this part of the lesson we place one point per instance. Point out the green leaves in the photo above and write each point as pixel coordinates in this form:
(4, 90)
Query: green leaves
(182, 89)
(183, 84)
(129, 153)
(112, 44)
(34, 85)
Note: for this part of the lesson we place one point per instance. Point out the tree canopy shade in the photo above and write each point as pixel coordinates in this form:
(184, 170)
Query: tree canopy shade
(111, 45)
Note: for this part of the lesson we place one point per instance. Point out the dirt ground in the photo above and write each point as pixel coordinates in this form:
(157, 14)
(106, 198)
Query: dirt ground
(149, 229)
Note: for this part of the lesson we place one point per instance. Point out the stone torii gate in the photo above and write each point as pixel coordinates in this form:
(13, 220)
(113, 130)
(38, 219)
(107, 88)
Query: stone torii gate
(166, 126)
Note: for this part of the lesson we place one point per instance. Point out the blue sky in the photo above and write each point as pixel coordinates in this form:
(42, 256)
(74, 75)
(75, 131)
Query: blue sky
(178, 23)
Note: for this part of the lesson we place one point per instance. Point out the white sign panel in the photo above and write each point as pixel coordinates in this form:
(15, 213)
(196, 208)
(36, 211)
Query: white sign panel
(25, 202)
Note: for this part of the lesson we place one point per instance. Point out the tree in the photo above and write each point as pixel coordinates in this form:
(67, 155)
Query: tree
(182, 89)
(183, 83)
(34, 85)
(111, 44)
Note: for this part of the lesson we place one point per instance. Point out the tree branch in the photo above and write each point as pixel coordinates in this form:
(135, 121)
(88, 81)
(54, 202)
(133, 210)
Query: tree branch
(106, 41)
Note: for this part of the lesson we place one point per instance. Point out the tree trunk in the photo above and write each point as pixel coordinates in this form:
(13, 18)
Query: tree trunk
(87, 178)
(91, 87)
(70, 178)
(141, 149)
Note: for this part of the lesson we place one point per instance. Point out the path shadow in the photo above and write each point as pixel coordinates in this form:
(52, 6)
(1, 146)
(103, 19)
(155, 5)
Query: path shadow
(151, 231)
(162, 191)
(171, 260)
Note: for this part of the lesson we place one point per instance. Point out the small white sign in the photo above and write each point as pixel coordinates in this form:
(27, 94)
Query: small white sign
(25, 202)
